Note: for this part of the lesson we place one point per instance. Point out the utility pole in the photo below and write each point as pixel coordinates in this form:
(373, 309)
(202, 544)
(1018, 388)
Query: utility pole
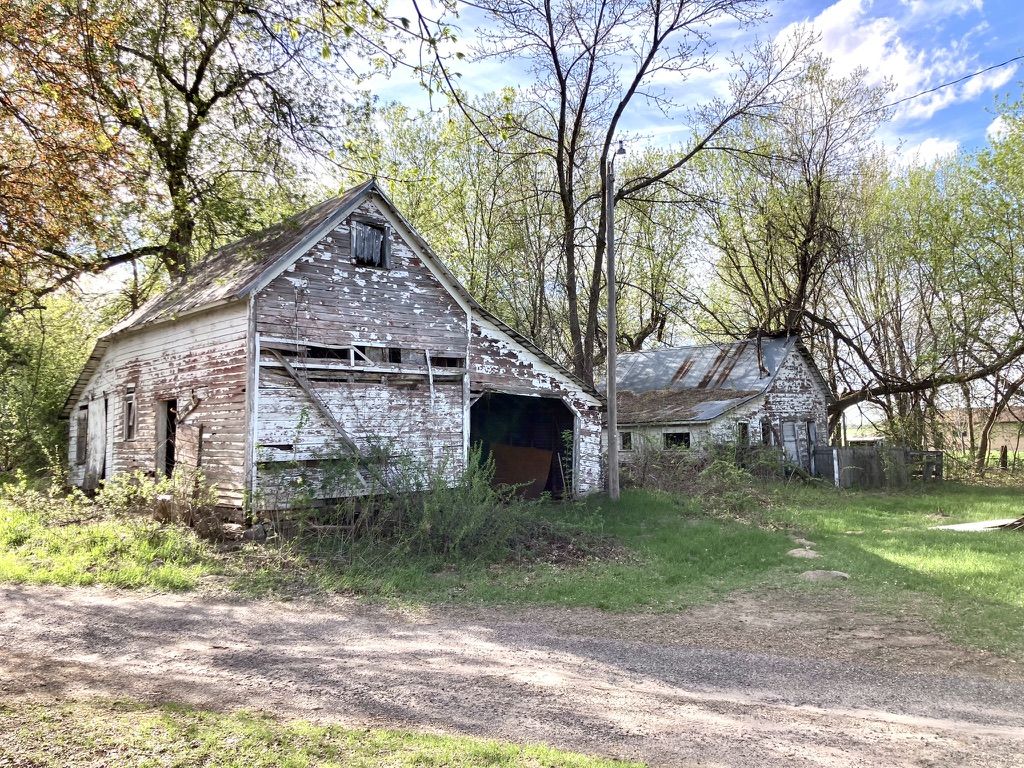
(613, 416)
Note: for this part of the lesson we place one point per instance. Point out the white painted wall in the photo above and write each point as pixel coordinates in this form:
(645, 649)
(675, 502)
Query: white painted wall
(200, 358)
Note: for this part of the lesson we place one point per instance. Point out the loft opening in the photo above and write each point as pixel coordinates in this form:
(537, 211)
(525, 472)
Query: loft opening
(371, 244)
(529, 438)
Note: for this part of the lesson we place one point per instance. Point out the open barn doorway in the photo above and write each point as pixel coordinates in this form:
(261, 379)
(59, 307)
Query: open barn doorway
(529, 438)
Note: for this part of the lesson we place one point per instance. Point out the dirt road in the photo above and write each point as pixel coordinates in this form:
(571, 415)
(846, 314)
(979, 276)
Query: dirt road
(728, 685)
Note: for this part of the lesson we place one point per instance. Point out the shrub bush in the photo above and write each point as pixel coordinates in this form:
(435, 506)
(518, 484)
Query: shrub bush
(727, 481)
(183, 497)
(421, 508)
(434, 511)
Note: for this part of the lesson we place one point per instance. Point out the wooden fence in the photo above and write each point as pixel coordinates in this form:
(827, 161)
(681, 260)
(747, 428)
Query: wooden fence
(876, 466)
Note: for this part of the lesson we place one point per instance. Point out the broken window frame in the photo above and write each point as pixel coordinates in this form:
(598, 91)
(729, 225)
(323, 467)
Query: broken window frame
(130, 416)
(743, 433)
(82, 435)
(626, 440)
(676, 439)
(447, 361)
(360, 230)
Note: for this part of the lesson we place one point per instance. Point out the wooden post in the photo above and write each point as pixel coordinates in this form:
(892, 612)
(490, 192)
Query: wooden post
(613, 421)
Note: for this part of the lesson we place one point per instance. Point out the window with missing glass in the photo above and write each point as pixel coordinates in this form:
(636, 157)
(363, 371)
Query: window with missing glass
(743, 433)
(129, 416)
(81, 434)
(677, 439)
(626, 441)
(371, 246)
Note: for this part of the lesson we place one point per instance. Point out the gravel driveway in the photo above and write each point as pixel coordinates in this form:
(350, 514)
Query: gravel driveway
(706, 687)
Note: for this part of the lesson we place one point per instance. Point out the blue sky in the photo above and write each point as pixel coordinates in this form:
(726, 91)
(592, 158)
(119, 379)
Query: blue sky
(917, 44)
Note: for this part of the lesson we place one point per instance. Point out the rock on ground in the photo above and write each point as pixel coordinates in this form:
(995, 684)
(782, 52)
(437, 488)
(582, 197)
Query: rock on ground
(801, 552)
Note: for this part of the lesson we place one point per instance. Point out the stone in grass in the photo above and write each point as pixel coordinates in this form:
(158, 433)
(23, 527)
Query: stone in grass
(803, 542)
(807, 554)
(824, 576)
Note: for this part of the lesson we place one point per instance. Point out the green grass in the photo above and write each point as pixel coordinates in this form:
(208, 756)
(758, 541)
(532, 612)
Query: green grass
(128, 554)
(669, 555)
(118, 733)
(970, 584)
(672, 556)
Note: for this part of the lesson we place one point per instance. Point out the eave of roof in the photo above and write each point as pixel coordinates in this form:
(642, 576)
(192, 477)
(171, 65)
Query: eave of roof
(186, 298)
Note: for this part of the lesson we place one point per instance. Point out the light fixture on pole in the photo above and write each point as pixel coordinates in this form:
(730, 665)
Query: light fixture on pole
(613, 417)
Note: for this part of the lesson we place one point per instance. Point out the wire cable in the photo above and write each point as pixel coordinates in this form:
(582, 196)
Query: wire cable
(951, 82)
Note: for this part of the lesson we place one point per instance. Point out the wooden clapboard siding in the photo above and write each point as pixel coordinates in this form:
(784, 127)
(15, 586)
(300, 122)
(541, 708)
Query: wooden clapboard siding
(202, 356)
(325, 298)
(261, 421)
(798, 396)
(403, 419)
(498, 363)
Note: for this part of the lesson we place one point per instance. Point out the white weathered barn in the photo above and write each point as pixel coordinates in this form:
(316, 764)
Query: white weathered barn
(767, 392)
(336, 331)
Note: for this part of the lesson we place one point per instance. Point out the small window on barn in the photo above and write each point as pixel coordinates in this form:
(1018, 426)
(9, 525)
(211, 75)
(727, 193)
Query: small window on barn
(443, 361)
(81, 434)
(129, 416)
(366, 355)
(767, 436)
(371, 246)
(394, 355)
(327, 353)
(743, 433)
(677, 439)
(626, 441)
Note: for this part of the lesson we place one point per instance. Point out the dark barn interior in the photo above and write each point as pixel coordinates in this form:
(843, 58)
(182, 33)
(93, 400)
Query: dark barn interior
(524, 436)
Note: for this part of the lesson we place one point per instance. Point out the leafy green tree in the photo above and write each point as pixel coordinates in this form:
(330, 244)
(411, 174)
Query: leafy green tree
(591, 63)
(41, 353)
(163, 128)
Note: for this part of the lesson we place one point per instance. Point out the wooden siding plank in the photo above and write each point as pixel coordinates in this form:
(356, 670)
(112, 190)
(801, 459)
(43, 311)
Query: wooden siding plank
(201, 357)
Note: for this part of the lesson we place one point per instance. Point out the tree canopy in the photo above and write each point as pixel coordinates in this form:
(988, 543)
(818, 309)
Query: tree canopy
(146, 134)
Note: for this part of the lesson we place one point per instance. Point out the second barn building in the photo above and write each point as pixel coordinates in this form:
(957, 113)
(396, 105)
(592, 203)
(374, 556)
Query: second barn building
(765, 391)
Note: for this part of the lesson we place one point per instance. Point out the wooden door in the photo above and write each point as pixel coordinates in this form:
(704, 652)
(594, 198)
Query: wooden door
(96, 444)
(789, 442)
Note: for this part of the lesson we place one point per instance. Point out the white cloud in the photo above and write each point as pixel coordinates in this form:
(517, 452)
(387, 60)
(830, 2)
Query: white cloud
(854, 37)
(942, 7)
(924, 152)
(997, 129)
(989, 81)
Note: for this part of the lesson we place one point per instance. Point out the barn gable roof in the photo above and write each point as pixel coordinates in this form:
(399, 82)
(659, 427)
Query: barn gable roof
(237, 270)
(230, 272)
(700, 383)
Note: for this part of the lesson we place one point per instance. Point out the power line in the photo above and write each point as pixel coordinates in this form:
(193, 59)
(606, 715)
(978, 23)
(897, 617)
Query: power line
(951, 82)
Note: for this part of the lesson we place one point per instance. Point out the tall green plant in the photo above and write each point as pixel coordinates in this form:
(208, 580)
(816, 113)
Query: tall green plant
(41, 352)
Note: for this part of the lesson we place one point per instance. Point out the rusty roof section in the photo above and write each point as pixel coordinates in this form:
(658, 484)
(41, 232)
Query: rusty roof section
(699, 383)
(678, 406)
